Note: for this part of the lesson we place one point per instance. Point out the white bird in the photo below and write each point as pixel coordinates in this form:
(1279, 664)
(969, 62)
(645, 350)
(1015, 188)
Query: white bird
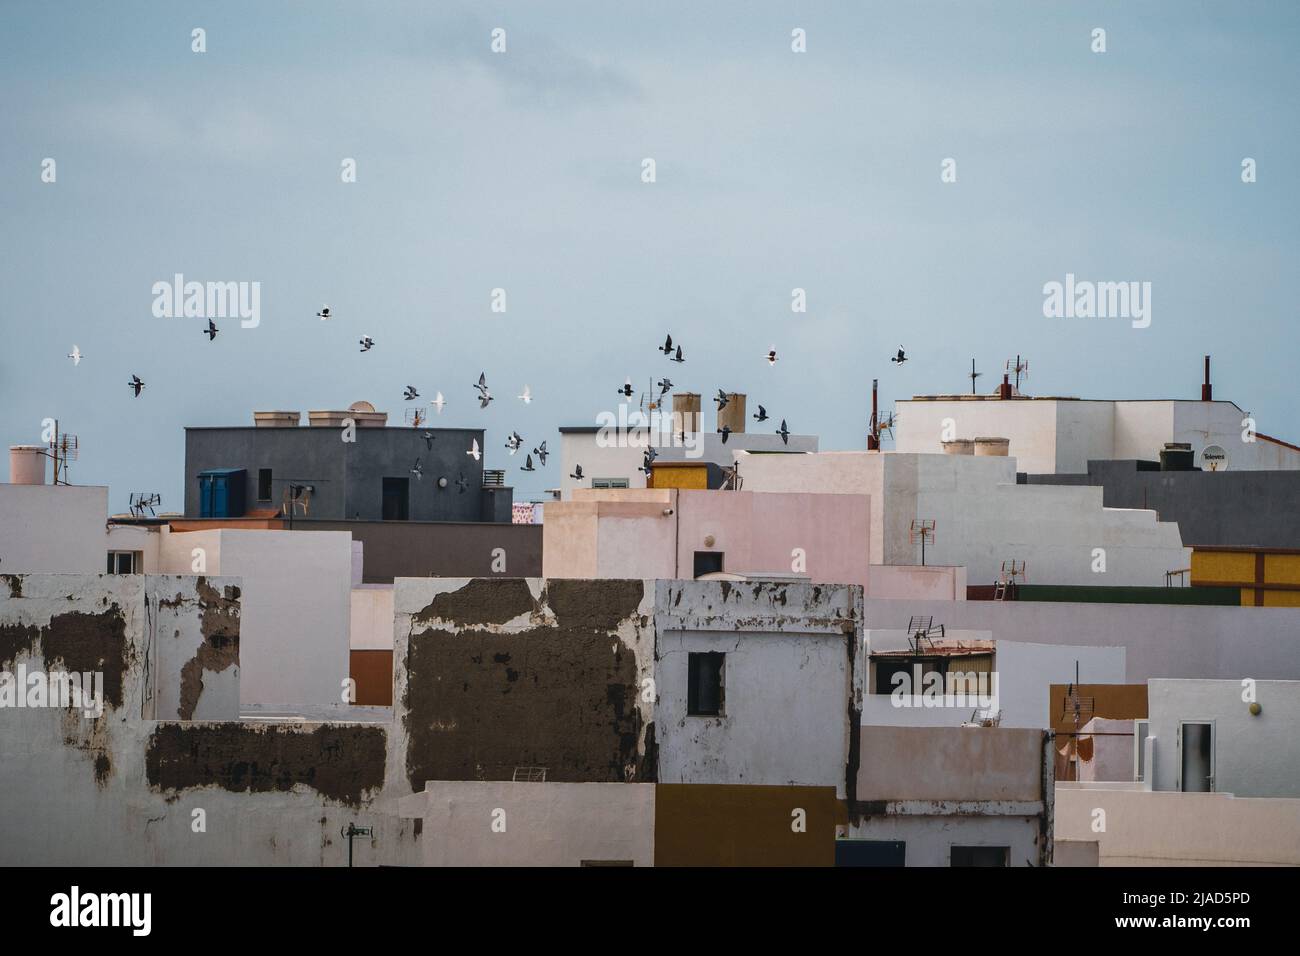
(474, 451)
(438, 402)
(75, 355)
(527, 396)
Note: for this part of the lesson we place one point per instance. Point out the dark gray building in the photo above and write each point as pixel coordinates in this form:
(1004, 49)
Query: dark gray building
(1257, 509)
(403, 473)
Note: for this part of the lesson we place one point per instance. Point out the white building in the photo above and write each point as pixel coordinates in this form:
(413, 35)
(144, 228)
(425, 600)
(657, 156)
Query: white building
(1054, 435)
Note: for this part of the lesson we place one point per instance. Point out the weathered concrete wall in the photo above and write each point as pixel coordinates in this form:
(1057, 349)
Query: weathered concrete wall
(499, 674)
(929, 839)
(704, 825)
(501, 823)
(49, 528)
(1148, 828)
(1254, 756)
(779, 640)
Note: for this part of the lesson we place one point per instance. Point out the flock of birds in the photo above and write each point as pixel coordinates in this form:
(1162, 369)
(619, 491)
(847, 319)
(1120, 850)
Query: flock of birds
(515, 441)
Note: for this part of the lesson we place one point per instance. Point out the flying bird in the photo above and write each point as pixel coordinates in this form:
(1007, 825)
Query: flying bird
(771, 355)
(784, 433)
(484, 399)
(438, 402)
(577, 473)
(541, 452)
(528, 464)
(324, 312)
(366, 343)
(648, 459)
(410, 394)
(514, 441)
(211, 331)
(475, 452)
(721, 399)
(724, 431)
(428, 440)
(678, 356)
(527, 396)
(664, 385)
(667, 347)
(136, 384)
(761, 416)
(626, 390)
(900, 358)
(417, 470)
(484, 396)
(75, 355)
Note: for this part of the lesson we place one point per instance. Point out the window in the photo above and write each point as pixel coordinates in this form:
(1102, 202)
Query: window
(870, 853)
(125, 562)
(609, 483)
(397, 499)
(980, 855)
(704, 684)
(706, 562)
(1141, 729)
(264, 484)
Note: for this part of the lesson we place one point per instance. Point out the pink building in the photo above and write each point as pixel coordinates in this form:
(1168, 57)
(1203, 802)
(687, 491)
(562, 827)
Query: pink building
(678, 533)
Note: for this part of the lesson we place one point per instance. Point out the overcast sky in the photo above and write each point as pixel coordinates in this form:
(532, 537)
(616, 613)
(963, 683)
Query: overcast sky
(775, 170)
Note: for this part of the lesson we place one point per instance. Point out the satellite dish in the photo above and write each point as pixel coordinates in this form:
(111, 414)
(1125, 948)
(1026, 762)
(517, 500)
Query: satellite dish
(1214, 458)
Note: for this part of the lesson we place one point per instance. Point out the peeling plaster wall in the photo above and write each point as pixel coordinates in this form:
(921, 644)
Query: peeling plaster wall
(122, 789)
(792, 683)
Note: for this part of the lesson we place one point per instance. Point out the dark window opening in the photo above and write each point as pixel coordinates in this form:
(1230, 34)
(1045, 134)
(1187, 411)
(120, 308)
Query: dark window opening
(397, 499)
(980, 855)
(870, 853)
(264, 484)
(123, 562)
(706, 562)
(704, 684)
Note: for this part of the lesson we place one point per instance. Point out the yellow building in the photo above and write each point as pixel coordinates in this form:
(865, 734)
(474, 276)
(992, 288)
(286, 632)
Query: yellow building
(1267, 577)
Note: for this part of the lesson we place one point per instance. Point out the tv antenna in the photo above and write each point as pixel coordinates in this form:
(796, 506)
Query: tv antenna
(142, 502)
(63, 448)
(973, 375)
(922, 530)
(1019, 368)
(1012, 574)
(529, 775)
(877, 424)
(415, 417)
(921, 633)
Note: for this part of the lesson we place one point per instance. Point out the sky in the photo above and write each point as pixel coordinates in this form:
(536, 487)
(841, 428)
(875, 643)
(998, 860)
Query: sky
(523, 171)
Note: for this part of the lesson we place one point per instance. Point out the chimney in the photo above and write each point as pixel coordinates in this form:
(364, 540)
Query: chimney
(873, 436)
(1004, 390)
(733, 415)
(1207, 390)
(686, 413)
(27, 464)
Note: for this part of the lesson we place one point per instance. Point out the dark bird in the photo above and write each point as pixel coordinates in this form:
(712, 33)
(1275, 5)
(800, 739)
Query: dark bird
(211, 331)
(514, 441)
(761, 416)
(528, 464)
(484, 396)
(428, 440)
(541, 453)
(577, 473)
(484, 399)
(724, 431)
(626, 390)
(324, 312)
(462, 483)
(366, 343)
(678, 356)
(648, 459)
(784, 433)
(410, 394)
(417, 469)
(771, 355)
(136, 384)
(721, 399)
(900, 358)
(667, 347)
(664, 385)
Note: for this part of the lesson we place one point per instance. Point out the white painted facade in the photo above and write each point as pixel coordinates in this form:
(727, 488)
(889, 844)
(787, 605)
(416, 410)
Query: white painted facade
(983, 518)
(53, 528)
(1060, 435)
(1254, 756)
(503, 823)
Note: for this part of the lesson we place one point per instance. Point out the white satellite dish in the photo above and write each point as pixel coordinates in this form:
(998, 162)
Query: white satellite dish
(1214, 458)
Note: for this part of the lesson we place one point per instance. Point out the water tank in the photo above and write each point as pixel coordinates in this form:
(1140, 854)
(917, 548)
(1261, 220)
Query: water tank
(362, 413)
(996, 447)
(277, 419)
(686, 412)
(27, 464)
(733, 415)
(959, 446)
(1176, 456)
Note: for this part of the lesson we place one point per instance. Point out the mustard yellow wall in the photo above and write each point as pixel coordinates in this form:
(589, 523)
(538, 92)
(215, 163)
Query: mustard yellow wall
(1223, 567)
(1282, 569)
(686, 477)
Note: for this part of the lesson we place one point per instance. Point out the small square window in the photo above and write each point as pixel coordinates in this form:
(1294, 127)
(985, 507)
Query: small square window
(980, 855)
(124, 562)
(704, 690)
(708, 562)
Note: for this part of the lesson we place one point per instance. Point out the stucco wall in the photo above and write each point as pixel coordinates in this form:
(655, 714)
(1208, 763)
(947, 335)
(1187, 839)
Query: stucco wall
(371, 619)
(53, 528)
(500, 823)
(1253, 756)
